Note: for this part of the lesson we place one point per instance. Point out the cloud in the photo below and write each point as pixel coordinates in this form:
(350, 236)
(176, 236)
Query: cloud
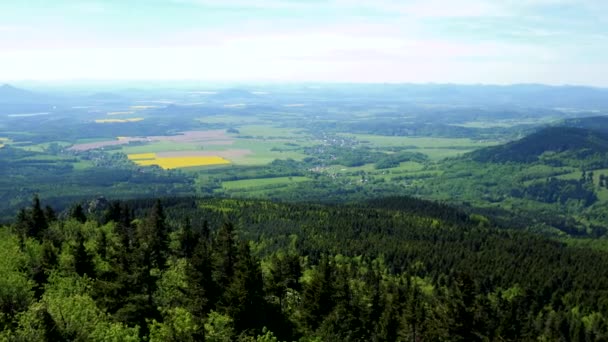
(491, 41)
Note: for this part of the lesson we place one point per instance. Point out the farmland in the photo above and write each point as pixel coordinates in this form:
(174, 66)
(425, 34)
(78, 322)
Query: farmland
(287, 143)
(175, 162)
(261, 183)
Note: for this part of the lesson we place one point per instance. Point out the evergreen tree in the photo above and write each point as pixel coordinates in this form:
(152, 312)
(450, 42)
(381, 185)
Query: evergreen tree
(124, 226)
(225, 254)
(23, 223)
(203, 290)
(38, 219)
(390, 320)
(188, 239)
(244, 297)
(345, 321)
(48, 260)
(77, 213)
(462, 307)
(318, 295)
(83, 261)
(152, 236)
(113, 213)
(50, 214)
(285, 273)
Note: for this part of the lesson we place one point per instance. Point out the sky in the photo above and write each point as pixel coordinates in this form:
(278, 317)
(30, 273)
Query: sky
(372, 41)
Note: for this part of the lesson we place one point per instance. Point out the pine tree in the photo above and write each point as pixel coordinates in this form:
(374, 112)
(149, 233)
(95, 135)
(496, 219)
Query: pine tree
(188, 239)
(78, 214)
(49, 214)
(83, 261)
(390, 320)
(124, 226)
(38, 219)
(225, 254)
(318, 295)
(23, 223)
(285, 273)
(113, 213)
(204, 291)
(152, 236)
(48, 260)
(244, 297)
(102, 244)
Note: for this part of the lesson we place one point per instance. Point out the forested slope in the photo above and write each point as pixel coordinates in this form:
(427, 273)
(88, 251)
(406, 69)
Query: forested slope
(397, 269)
(582, 142)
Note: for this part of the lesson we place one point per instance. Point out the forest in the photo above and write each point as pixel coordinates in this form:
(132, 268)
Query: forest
(212, 269)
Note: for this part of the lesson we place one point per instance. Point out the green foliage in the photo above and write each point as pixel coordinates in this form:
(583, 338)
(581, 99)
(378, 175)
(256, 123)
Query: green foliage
(582, 142)
(393, 160)
(15, 286)
(387, 270)
(172, 287)
(178, 325)
(218, 328)
(77, 213)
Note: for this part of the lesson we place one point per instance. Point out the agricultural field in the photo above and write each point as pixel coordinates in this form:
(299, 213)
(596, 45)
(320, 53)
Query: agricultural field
(174, 162)
(434, 148)
(291, 143)
(258, 183)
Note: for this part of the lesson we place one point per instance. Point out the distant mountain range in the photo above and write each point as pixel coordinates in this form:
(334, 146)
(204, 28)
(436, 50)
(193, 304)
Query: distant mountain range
(10, 94)
(524, 95)
(233, 94)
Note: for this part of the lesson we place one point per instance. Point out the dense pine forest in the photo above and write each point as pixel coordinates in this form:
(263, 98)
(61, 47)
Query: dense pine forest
(191, 269)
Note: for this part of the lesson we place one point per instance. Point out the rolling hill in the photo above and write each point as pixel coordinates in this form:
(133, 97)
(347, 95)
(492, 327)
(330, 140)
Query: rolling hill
(581, 142)
(10, 94)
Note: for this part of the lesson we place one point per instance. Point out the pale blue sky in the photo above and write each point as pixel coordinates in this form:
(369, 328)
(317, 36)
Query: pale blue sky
(458, 41)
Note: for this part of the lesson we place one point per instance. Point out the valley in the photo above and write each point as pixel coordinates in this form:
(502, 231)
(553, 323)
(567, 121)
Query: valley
(336, 145)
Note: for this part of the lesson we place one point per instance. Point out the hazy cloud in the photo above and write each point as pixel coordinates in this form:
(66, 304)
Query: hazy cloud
(490, 41)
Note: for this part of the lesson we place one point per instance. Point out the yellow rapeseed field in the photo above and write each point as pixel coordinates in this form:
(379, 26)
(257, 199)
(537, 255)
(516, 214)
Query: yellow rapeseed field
(118, 120)
(147, 159)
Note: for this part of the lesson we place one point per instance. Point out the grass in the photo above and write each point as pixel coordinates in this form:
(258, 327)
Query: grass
(434, 148)
(90, 140)
(405, 168)
(83, 165)
(501, 123)
(270, 132)
(141, 156)
(261, 182)
(167, 146)
(43, 146)
(262, 152)
(229, 119)
(420, 142)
